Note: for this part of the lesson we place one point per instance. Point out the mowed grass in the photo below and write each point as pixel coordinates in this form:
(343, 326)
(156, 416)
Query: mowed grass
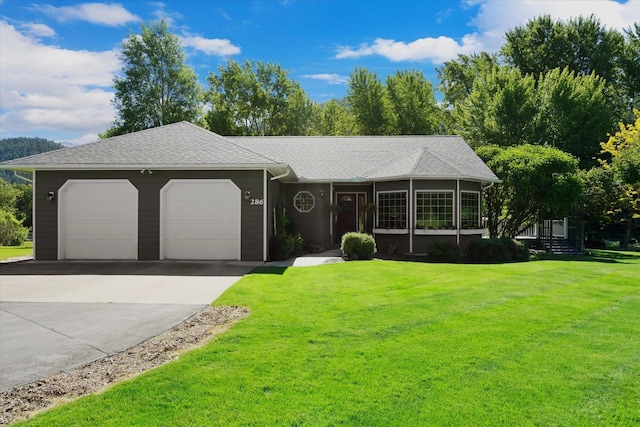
(16, 251)
(382, 343)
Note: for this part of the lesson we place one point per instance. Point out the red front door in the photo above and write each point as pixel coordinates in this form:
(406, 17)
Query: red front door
(347, 217)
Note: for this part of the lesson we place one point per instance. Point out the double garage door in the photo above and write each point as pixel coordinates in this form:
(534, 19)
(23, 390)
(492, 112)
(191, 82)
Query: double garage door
(199, 219)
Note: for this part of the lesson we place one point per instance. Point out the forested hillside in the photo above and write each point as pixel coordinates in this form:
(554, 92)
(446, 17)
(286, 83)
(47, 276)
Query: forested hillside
(13, 148)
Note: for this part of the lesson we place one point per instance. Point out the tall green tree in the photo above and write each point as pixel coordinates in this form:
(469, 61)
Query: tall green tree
(335, 119)
(256, 98)
(500, 110)
(573, 114)
(538, 183)
(623, 159)
(413, 102)
(458, 75)
(581, 44)
(630, 65)
(367, 99)
(156, 87)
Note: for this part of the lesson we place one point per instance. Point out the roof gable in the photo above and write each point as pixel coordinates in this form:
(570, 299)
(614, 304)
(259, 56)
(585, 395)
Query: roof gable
(178, 144)
(357, 158)
(186, 146)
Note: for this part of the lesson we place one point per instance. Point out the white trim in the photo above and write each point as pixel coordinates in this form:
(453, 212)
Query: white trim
(265, 218)
(406, 192)
(453, 192)
(473, 231)
(390, 231)
(33, 215)
(410, 219)
(163, 202)
(458, 213)
(479, 206)
(432, 232)
(331, 214)
(313, 198)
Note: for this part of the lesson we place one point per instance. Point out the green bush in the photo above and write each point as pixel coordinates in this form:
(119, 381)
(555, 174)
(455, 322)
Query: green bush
(499, 250)
(357, 246)
(444, 251)
(517, 250)
(12, 233)
(284, 245)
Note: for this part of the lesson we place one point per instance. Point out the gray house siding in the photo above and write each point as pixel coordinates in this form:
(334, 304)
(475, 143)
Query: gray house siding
(148, 185)
(313, 226)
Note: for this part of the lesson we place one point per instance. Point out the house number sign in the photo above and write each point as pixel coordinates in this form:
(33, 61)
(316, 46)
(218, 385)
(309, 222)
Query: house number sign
(257, 202)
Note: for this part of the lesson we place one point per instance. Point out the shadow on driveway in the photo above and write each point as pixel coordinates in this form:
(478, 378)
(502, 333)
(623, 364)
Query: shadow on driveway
(130, 268)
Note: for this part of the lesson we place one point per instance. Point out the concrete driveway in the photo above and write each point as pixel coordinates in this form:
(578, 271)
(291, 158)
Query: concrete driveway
(56, 316)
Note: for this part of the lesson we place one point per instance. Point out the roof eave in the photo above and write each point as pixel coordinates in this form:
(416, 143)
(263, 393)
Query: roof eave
(151, 166)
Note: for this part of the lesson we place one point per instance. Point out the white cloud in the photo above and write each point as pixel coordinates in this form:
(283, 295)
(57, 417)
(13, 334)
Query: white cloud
(49, 88)
(436, 50)
(333, 79)
(490, 24)
(218, 47)
(112, 14)
(161, 13)
(38, 30)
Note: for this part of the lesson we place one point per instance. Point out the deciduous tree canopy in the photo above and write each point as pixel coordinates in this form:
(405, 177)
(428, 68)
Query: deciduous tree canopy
(156, 87)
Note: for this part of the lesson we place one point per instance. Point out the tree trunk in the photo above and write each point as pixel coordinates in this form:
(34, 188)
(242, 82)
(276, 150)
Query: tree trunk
(624, 244)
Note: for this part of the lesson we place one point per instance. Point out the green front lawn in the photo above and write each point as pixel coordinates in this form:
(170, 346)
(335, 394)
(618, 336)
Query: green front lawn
(16, 251)
(383, 343)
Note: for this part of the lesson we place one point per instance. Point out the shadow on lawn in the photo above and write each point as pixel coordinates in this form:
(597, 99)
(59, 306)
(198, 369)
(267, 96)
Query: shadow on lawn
(592, 255)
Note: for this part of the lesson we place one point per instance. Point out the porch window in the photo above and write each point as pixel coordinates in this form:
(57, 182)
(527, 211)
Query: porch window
(392, 209)
(470, 209)
(304, 201)
(434, 210)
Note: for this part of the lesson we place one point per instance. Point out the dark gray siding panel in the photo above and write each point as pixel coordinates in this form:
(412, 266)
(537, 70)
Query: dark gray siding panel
(400, 241)
(434, 185)
(313, 226)
(148, 186)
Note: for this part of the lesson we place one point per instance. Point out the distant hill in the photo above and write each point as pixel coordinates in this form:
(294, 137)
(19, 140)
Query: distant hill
(13, 148)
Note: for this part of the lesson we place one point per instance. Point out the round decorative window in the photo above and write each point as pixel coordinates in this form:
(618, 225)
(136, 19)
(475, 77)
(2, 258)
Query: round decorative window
(304, 201)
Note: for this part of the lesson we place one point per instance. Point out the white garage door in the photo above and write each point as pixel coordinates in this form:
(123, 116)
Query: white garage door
(200, 219)
(98, 219)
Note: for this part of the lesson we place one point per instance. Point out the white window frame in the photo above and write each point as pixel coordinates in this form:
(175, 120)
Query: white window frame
(302, 209)
(477, 224)
(404, 229)
(453, 209)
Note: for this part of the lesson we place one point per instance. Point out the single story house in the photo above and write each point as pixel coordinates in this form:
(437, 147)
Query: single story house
(182, 192)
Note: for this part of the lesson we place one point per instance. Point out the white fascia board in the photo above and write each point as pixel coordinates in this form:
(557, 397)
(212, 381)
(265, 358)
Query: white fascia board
(444, 178)
(215, 166)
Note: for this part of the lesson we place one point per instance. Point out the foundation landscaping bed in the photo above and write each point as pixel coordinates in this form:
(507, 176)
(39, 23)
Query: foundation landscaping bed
(547, 342)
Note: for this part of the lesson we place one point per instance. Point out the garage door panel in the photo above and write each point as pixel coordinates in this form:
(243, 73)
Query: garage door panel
(201, 219)
(201, 249)
(108, 249)
(98, 220)
(99, 210)
(199, 230)
(109, 230)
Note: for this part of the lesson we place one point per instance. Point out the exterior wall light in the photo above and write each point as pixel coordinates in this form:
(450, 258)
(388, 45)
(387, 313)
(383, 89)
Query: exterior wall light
(51, 196)
(247, 195)
(321, 192)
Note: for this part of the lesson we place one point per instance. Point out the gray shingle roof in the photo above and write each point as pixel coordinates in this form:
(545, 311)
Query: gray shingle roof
(178, 144)
(313, 158)
(353, 158)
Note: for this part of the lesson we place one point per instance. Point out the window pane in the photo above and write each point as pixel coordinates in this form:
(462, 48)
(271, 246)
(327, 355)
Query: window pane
(470, 209)
(434, 209)
(304, 201)
(392, 210)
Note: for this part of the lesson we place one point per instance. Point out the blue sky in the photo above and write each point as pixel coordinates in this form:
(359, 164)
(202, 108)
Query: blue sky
(58, 58)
